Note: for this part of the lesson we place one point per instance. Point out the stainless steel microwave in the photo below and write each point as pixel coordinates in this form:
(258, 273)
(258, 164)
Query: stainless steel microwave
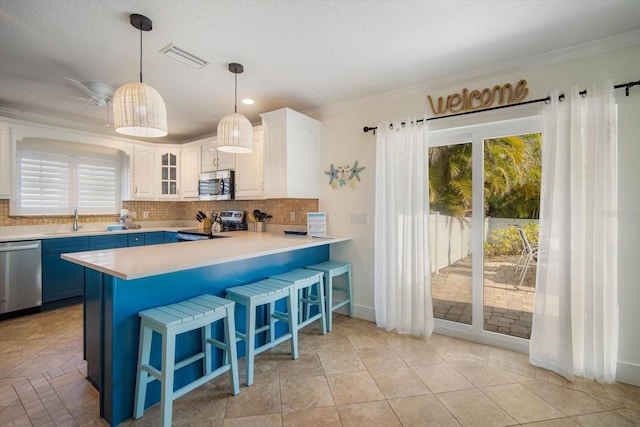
(218, 185)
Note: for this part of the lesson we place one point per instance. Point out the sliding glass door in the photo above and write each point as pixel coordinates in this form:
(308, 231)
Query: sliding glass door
(484, 187)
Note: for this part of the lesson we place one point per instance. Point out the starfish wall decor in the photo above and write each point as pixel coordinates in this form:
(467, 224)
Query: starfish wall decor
(343, 175)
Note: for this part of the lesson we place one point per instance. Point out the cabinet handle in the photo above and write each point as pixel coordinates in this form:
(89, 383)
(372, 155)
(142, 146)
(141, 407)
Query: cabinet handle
(136, 190)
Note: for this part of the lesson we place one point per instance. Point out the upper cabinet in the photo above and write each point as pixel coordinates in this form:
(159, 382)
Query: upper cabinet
(169, 160)
(143, 173)
(190, 171)
(292, 163)
(249, 169)
(214, 159)
(5, 161)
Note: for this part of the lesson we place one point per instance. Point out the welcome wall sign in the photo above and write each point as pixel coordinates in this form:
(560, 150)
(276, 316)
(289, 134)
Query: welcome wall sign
(480, 99)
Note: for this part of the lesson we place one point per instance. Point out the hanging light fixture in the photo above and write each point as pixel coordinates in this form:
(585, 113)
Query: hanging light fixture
(138, 109)
(235, 134)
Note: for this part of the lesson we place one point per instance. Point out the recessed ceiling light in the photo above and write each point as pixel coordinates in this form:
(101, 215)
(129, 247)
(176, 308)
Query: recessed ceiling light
(248, 101)
(182, 55)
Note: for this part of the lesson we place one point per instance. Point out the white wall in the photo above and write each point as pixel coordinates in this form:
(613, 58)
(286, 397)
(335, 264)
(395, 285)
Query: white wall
(344, 142)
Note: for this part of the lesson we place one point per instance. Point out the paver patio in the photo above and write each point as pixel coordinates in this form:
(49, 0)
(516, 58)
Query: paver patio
(508, 307)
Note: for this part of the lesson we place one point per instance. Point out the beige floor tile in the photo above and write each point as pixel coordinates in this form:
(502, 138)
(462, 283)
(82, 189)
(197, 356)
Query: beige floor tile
(609, 419)
(318, 343)
(414, 355)
(559, 422)
(303, 393)
(473, 408)
(339, 362)
(480, 374)
(353, 387)
(317, 417)
(306, 365)
(399, 382)
(368, 414)
(269, 420)
(366, 340)
(440, 377)
(382, 357)
(569, 402)
(422, 411)
(258, 399)
(521, 404)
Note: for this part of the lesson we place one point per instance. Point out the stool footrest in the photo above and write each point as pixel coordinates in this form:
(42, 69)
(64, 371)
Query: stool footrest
(197, 383)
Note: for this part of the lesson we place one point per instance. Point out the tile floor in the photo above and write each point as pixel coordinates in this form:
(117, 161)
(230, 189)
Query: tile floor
(357, 375)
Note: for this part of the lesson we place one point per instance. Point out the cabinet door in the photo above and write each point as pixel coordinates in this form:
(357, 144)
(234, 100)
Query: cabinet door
(215, 160)
(169, 184)
(154, 238)
(60, 279)
(249, 170)
(5, 161)
(107, 241)
(275, 158)
(170, 237)
(135, 239)
(190, 171)
(143, 172)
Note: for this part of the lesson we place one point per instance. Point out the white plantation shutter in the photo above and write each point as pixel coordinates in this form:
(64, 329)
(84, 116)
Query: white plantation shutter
(97, 184)
(43, 183)
(54, 184)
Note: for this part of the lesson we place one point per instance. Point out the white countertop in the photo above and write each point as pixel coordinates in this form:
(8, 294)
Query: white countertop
(14, 234)
(143, 261)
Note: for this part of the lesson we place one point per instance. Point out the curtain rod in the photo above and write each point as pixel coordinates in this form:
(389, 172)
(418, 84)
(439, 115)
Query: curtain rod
(546, 100)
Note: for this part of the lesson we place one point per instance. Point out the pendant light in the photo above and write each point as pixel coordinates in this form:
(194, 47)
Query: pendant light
(138, 109)
(235, 133)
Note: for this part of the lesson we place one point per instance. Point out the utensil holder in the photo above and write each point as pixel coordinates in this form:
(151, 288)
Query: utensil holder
(258, 226)
(205, 224)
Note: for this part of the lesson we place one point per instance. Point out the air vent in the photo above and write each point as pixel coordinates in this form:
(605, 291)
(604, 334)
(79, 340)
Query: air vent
(182, 55)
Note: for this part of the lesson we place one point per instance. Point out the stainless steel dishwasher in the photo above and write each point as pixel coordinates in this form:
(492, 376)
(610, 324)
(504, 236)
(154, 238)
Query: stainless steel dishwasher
(20, 275)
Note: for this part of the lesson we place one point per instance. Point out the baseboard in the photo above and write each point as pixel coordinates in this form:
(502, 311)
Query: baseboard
(628, 373)
(362, 312)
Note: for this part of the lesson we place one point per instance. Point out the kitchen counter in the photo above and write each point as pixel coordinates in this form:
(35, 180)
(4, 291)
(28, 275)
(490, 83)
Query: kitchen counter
(144, 261)
(119, 283)
(18, 233)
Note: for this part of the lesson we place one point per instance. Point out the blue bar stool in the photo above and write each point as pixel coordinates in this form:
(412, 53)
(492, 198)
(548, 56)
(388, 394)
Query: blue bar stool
(304, 280)
(265, 292)
(174, 319)
(333, 269)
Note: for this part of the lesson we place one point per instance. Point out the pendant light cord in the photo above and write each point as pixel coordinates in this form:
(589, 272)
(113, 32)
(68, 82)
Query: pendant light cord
(235, 100)
(140, 55)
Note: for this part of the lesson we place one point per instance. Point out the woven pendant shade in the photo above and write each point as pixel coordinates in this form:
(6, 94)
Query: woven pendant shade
(235, 134)
(139, 110)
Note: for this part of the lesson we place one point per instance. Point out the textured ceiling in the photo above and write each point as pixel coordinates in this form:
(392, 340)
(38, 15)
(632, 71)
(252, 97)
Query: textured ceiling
(300, 54)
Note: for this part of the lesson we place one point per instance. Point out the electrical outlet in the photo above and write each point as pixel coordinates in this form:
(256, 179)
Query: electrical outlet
(292, 216)
(145, 214)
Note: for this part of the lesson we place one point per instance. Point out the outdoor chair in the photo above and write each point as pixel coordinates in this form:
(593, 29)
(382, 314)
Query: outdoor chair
(528, 256)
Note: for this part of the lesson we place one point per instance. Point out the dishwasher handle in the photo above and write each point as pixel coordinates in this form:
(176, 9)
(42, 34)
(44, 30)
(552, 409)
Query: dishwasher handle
(19, 247)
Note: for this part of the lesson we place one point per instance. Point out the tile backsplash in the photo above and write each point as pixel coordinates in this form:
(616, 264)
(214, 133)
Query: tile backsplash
(280, 209)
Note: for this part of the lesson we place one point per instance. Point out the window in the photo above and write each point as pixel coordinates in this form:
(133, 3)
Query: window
(55, 177)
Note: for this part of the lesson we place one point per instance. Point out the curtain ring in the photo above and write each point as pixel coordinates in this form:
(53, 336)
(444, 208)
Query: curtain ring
(583, 93)
(547, 100)
(561, 97)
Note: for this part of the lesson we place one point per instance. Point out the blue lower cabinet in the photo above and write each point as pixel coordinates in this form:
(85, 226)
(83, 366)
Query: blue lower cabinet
(108, 241)
(61, 279)
(154, 238)
(135, 239)
(170, 237)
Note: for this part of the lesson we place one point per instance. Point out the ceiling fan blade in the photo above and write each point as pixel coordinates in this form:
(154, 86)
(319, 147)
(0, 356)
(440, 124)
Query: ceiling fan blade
(82, 87)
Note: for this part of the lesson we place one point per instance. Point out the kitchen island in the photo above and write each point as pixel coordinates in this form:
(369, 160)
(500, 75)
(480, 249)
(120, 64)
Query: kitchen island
(118, 283)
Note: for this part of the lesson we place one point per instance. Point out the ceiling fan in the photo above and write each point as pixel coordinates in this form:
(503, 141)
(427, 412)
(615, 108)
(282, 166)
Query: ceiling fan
(98, 94)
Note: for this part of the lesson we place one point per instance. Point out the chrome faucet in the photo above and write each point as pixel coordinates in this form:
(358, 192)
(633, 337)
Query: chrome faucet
(75, 219)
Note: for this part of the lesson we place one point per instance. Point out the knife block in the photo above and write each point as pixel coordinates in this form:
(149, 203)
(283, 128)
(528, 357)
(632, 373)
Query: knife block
(205, 224)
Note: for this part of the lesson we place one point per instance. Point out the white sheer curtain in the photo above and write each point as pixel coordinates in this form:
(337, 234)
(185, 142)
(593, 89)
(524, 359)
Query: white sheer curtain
(575, 319)
(402, 271)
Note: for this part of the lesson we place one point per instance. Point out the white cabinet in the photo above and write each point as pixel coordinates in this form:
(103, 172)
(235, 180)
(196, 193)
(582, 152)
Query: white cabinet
(214, 159)
(169, 160)
(143, 172)
(5, 161)
(190, 171)
(292, 163)
(249, 169)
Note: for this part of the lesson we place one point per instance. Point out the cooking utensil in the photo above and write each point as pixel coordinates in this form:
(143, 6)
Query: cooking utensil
(202, 214)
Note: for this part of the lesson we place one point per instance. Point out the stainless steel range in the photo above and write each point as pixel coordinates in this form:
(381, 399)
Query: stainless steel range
(231, 221)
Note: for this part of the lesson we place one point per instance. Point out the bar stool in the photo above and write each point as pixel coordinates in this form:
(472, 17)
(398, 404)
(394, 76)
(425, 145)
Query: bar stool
(174, 319)
(304, 280)
(265, 292)
(333, 269)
